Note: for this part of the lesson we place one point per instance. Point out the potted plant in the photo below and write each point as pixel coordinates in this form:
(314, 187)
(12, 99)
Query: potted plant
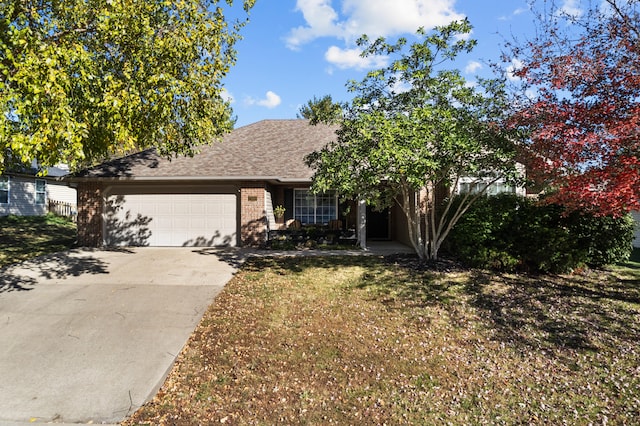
(278, 212)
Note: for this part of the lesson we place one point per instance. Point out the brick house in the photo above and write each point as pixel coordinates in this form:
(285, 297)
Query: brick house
(223, 196)
(226, 195)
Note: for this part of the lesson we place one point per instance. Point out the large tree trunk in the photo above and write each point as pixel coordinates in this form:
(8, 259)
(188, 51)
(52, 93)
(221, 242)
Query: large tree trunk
(436, 225)
(410, 205)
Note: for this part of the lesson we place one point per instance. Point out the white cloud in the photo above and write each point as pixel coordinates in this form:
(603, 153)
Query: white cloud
(572, 8)
(401, 86)
(472, 67)
(227, 96)
(372, 17)
(516, 64)
(518, 11)
(271, 100)
(321, 20)
(350, 58)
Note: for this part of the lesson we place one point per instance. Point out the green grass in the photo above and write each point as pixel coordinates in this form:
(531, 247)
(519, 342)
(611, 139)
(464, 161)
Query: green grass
(361, 340)
(26, 237)
(634, 260)
(631, 268)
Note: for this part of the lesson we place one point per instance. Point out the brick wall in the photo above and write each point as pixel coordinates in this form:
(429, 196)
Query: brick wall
(253, 218)
(89, 215)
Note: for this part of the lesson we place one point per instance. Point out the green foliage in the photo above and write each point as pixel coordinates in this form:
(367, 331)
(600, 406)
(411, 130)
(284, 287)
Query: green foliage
(416, 125)
(510, 232)
(322, 110)
(606, 240)
(279, 211)
(81, 80)
(474, 238)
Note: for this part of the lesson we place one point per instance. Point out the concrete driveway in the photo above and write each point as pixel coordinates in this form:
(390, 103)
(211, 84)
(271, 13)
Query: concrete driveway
(89, 335)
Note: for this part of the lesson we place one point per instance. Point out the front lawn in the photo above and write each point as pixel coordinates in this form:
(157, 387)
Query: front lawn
(25, 237)
(363, 340)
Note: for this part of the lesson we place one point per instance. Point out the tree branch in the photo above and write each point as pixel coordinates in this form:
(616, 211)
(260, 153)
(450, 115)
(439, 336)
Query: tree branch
(624, 17)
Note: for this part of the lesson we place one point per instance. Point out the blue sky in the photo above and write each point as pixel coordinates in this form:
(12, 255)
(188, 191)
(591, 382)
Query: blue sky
(293, 50)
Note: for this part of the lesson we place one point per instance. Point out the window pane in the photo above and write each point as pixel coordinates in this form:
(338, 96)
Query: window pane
(326, 208)
(314, 209)
(4, 190)
(41, 191)
(303, 206)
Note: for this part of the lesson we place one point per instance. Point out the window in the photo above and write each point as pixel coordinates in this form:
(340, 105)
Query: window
(41, 191)
(4, 189)
(493, 189)
(310, 208)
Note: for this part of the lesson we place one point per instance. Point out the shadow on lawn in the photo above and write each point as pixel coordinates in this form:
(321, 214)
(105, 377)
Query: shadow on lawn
(24, 276)
(547, 312)
(589, 312)
(391, 282)
(298, 264)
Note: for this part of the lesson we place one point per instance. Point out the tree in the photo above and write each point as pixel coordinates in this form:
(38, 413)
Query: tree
(413, 129)
(581, 104)
(322, 110)
(84, 79)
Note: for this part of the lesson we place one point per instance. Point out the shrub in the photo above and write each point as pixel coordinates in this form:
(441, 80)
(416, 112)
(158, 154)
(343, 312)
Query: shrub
(510, 232)
(475, 238)
(605, 239)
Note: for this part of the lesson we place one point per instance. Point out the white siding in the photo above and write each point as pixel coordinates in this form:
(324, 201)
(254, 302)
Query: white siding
(268, 208)
(22, 198)
(61, 193)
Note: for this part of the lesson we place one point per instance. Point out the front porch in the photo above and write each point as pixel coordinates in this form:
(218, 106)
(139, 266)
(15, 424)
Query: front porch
(295, 217)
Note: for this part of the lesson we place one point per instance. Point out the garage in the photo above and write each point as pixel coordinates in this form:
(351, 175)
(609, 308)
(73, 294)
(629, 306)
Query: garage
(164, 218)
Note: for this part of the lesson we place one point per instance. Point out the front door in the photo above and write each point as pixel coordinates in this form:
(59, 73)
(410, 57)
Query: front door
(378, 223)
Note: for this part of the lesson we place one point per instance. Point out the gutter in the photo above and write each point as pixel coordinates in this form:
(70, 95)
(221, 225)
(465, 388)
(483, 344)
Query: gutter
(276, 179)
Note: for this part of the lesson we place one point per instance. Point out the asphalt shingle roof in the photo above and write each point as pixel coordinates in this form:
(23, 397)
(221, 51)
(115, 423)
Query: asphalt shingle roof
(268, 149)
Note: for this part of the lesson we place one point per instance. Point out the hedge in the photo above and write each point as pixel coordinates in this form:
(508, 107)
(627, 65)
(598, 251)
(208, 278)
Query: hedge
(510, 232)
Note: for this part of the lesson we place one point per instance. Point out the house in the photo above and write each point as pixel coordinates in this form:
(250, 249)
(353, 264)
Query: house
(24, 193)
(222, 196)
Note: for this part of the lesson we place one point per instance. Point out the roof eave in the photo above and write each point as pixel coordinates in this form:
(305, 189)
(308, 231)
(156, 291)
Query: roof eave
(276, 179)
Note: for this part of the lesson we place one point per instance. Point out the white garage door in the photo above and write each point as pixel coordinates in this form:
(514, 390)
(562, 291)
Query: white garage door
(173, 220)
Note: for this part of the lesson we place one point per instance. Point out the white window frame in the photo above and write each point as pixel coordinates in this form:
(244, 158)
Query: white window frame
(7, 188)
(40, 194)
(314, 206)
(494, 188)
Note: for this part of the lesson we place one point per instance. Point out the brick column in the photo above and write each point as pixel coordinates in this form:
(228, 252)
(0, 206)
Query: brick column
(89, 214)
(253, 219)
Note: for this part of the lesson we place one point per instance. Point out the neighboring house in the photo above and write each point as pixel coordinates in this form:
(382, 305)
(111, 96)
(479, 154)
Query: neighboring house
(223, 196)
(26, 194)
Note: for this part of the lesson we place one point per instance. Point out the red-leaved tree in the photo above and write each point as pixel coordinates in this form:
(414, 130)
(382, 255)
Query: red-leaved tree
(581, 109)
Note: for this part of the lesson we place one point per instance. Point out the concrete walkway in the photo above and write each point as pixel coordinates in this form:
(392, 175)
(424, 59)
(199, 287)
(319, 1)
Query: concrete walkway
(89, 335)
